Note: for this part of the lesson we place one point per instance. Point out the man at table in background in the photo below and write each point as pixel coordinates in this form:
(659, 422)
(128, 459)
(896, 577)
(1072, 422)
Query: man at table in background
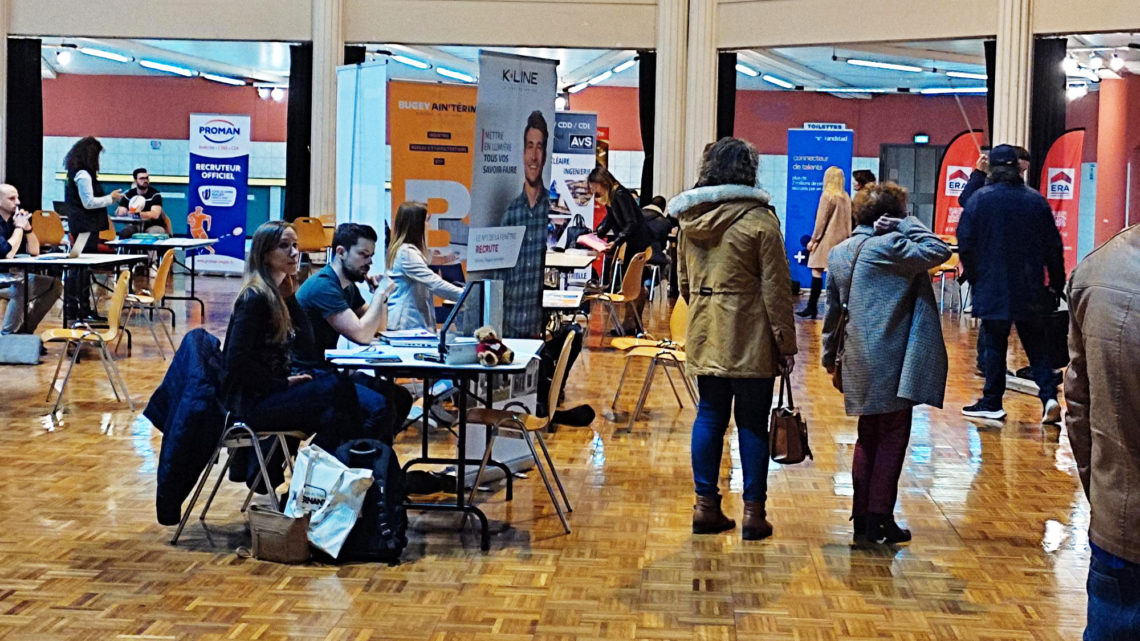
(149, 208)
(335, 308)
(17, 237)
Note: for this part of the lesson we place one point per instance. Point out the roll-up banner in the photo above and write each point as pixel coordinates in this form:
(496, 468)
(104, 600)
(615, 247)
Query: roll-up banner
(810, 153)
(219, 184)
(432, 132)
(957, 165)
(575, 135)
(361, 154)
(1061, 186)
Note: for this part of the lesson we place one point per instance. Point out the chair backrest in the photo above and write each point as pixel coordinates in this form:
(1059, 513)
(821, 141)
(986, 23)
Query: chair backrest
(310, 234)
(631, 284)
(950, 265)
(167, 224)
(438, 238)
(48, 227)
(115, 311)
(109, 233)
(559, 376)
(163, 275)
(679, 321)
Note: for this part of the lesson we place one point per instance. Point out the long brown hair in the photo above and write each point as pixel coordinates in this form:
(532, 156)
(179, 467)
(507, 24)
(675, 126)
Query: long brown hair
(84, 154)
(259, 280)
(408, 227)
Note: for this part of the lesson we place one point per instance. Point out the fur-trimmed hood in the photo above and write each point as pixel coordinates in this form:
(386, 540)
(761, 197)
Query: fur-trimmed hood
(701, 211)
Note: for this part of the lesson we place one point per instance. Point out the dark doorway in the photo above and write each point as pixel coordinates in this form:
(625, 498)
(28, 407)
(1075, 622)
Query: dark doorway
(916, 168)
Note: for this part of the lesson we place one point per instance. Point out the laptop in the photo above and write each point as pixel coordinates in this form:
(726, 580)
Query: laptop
(76, 248)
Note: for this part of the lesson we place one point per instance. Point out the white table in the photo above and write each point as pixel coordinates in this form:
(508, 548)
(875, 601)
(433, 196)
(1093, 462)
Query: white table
(566, 262)
(185, 244)
(562, 299)
(408, 366)
(49, 262)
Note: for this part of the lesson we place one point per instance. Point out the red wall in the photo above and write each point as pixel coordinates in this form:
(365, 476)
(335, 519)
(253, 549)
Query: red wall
(617, 108)
(150, 107)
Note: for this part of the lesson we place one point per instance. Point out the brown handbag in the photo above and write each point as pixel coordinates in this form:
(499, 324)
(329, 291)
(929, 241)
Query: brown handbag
(278, 538)
(841, 326)
(788, 431)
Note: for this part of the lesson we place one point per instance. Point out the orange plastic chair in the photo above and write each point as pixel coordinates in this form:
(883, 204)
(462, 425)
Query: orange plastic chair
(152, 301)
(630, 291)
(48, 228)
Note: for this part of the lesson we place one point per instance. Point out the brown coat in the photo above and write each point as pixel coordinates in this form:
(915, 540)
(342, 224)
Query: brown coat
(1102, 387)
(832, 226)
(732, 268)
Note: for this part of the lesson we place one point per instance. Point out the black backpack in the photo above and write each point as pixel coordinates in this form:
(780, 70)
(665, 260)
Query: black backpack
(380, 534)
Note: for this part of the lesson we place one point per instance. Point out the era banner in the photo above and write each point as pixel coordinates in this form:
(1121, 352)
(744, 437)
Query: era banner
(1061, 186)
(957, 164)
(432, 133)
(219, 183)
(573, 159)
(810, 153)
(511, 88)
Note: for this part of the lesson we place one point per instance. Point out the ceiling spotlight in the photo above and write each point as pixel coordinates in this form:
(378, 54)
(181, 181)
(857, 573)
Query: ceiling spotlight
(64, 56)
(560, 103)
(278, 94)
(884, 65)
(1116, 63)
(1070, 65)
(1077, 91)
(1095, 61)
(746, 70)
(263, 93)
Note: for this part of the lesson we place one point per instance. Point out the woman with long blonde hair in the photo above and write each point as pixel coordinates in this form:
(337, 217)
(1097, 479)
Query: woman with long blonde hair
(832, 226)
(410, 305)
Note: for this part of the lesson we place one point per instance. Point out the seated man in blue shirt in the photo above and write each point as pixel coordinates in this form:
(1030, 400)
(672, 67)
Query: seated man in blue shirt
(335, 308)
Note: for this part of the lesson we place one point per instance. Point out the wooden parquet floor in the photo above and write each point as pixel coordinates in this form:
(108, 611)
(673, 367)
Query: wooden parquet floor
(1000, 548)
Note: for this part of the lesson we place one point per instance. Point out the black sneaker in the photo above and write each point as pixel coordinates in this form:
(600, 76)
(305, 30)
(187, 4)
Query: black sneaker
(983, 410)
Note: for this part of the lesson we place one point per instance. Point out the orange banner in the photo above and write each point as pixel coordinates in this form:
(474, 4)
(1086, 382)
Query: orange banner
(957, 164)
(431, 128)
(1061, 186)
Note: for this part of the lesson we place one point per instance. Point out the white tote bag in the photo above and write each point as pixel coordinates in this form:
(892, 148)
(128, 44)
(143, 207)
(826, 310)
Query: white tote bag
(331, 491)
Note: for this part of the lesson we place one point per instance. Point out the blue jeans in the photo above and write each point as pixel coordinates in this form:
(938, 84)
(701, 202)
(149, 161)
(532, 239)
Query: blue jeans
(753, 402)
(1114, 601)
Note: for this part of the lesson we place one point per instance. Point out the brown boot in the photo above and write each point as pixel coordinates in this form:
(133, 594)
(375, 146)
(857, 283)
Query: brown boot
(707, 517)
(755, 526)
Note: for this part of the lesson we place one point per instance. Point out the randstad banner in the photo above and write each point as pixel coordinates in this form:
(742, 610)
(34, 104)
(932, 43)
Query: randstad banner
(810, 153)
(219, 182)
(573, 159)
(432, 133)
(957, 164)
(1061, 186)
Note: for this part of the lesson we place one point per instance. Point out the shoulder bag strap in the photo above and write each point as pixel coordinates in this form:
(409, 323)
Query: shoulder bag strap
(842, 339)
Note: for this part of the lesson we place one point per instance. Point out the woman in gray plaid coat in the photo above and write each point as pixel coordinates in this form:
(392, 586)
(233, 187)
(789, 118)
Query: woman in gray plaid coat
(894, 356)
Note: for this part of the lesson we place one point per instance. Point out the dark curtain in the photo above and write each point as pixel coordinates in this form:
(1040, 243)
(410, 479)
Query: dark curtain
(646, 99)
(990, 47)
(725, 94)
(298, 131)
(25, 126)
(1047, 113)
(354, 54)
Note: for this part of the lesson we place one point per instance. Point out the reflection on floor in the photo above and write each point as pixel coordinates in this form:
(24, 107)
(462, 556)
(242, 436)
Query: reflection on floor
(1000, 548)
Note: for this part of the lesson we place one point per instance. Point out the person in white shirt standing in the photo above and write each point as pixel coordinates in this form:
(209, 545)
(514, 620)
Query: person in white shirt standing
(86, 205)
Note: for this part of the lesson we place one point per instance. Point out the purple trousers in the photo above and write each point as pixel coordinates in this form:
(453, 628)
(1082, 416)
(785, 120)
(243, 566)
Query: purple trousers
(879, 454)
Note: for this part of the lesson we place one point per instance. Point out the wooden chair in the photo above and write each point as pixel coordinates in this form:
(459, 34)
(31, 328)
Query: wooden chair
(152, 302)
(948, 269)
(529, 428)
(630, 292)
(311, 237)
(83, 334)
(678, 331)
(48, 228)
(664, 353)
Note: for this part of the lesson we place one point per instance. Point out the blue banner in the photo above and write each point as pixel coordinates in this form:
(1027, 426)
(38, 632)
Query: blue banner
(219, 184)
(810, 153)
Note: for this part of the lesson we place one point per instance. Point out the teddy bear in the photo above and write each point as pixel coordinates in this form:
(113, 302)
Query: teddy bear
(491, 350)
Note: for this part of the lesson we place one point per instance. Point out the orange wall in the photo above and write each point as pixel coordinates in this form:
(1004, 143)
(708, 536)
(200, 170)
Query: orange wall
(617, 108)
(150, 107)
(1118, 145)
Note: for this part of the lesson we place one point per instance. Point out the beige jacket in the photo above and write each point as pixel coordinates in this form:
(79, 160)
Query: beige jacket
(732, 268)
(1102, 387)
(832, 226)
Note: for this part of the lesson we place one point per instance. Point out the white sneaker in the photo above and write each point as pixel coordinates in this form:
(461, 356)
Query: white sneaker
(1052, 413)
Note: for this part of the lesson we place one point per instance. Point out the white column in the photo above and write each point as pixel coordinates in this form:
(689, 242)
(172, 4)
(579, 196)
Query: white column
(669, 119)
(328, 53)
(1013, 73)
(700, 96)
(4, 95)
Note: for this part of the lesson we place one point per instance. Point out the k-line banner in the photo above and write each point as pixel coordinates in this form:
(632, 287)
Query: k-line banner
(219, 182)
(511, 89)
(957, 165)
(432, 133)
(810, 153)
(573, 158)
(1061, 186)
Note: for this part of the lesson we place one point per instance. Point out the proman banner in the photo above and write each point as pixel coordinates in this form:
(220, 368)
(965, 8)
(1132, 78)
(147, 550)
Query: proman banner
(957, 164)
(575, 136)
(1061, 186)
(432, 133)
(219, 183)
(810, 153)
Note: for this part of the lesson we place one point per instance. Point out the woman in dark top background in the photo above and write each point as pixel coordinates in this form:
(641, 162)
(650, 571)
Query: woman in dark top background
(625, 219)
(86, 212)
(257, 383)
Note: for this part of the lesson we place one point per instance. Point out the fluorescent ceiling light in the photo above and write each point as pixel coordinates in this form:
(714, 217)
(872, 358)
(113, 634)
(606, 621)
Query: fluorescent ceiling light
(933, 91)
(451, 73)
(106, 55)
(577, 88)
(849, 90)
(965, 74)
(625, 65)
(411, 62)
(884, 65)
(600, 78)
(162, 66)
(225, 80)
(779, 82)
(746, 70)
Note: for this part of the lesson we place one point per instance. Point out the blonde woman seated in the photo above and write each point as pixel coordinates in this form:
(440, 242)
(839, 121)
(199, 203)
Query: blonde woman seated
(410, 305)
